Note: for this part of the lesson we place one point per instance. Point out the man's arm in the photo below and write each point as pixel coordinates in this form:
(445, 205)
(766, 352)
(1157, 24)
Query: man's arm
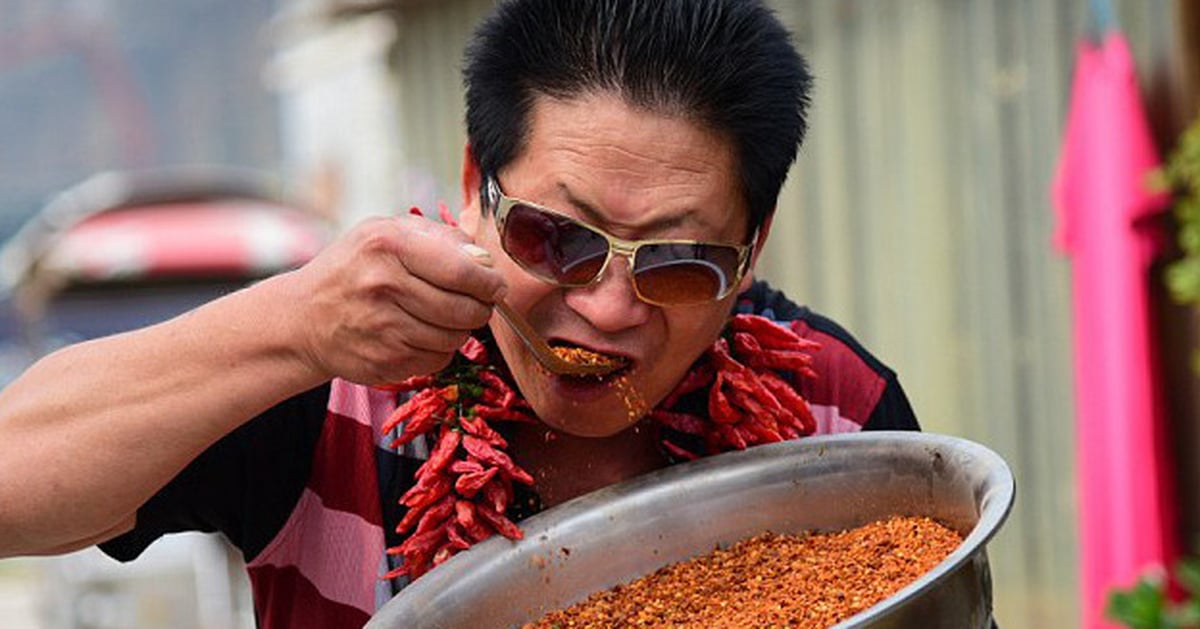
(90, 432)
(244, 486)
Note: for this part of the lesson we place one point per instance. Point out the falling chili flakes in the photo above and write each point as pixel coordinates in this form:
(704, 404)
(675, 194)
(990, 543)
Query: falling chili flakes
(635, 404)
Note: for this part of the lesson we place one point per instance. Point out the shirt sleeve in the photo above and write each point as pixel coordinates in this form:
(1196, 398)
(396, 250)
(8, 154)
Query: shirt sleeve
(244, 486)
(850, 380)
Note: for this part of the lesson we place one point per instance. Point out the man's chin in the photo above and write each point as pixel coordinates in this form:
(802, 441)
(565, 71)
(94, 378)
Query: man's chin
(587, 407)
(590, 423)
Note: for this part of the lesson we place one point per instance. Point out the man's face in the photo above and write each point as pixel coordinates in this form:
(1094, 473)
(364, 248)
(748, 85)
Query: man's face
(635, 175)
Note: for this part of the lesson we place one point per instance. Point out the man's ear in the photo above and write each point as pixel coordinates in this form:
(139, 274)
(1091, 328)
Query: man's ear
(471, 214)
(759, 242)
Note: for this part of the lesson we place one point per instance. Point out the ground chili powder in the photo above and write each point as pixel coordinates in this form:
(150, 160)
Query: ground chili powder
(811, 580)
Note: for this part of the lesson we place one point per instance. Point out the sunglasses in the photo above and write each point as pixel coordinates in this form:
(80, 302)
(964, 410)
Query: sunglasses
(566, 252)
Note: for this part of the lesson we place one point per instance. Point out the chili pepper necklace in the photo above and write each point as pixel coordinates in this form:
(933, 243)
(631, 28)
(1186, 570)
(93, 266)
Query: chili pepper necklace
(739, 393)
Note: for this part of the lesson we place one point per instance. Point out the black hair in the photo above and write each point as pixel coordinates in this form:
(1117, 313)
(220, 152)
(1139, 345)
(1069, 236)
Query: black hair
(728, 65)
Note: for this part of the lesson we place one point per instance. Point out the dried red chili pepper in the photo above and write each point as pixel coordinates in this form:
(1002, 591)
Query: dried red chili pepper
(495, 494)
(429, 489)
(464, 466)
(771, 334)
(794, 362)
(436, 514)
(464, 513)
(410, 520)
(440, 456)
(488, 455)
(476, 531)
(741, 375)
(502, 414)
(790, 399)
(719, 408)
(745, 344)
(723, 361)
(731, 436)
(406, 410)
(416, 551)
(478, 427)
(503, 525)
(493, 382)
(409, 384)
(474, 351)
(458, 536)
(763, 428)
(790, 359)
(428, 415)
(469, 484)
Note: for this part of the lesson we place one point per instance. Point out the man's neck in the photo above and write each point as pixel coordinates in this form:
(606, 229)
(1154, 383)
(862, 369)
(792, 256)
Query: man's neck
(565, 466)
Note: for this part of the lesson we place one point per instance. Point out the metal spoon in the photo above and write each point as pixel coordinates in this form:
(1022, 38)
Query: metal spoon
(537, 345)
(542, 351)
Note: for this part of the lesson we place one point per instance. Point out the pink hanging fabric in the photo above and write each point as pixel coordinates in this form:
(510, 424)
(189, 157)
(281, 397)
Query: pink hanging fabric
(1126, 510)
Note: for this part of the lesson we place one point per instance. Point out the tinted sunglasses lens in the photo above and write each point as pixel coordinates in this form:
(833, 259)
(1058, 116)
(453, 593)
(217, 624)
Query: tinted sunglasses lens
(552, 246)
(684, 273)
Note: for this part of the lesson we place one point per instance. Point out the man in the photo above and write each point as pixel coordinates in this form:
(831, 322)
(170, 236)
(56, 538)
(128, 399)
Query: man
(618, 151)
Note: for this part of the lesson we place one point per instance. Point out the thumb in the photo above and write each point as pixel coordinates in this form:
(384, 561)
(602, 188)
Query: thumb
(481, 255)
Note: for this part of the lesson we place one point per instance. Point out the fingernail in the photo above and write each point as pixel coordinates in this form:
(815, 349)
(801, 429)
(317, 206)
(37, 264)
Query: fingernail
(479, 253)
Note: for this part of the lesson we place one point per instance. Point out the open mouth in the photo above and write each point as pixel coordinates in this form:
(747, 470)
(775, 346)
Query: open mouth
(613, 380)
(580, 355)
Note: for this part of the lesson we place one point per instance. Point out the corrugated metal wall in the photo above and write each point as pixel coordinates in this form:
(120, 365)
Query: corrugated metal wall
(918, 216)
(428, 58)
(922, 202)
(923, 193)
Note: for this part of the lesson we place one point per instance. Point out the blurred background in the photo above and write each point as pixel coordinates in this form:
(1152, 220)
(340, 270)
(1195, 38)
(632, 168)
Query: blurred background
(921, 202)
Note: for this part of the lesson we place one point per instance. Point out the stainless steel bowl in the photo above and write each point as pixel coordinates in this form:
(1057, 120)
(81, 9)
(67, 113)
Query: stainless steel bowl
(622, 532)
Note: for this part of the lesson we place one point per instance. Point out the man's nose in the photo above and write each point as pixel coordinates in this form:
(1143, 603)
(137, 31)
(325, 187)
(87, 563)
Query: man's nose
(610, 304)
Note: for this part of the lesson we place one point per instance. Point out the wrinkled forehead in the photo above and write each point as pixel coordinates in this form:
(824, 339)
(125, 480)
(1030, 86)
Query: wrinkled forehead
(612, 114)
(598, 151)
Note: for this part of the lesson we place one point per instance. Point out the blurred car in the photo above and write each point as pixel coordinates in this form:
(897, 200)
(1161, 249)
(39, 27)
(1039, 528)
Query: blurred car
(119, 251)
(122, 250)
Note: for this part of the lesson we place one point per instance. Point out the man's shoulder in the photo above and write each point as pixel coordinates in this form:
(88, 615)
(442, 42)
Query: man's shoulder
(851, 384)
(837, 343)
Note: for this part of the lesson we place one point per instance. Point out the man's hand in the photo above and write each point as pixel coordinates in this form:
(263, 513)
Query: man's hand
(96, 428)
(392, 298)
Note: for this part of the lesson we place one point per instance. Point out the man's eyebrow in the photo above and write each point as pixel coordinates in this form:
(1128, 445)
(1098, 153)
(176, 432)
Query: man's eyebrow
(593, 216)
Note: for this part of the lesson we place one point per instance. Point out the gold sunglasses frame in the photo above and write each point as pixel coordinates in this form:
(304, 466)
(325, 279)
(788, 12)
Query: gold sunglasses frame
(502, 204)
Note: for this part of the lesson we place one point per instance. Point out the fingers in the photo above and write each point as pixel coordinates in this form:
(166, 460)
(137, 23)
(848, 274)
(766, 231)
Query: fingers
(479, 254)
(438, 307)
(417, 360)
(445, 281)
(407, 329)
(392, 298)
(445, 257)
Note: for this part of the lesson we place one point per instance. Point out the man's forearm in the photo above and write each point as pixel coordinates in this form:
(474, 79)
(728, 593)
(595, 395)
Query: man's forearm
(89, 433)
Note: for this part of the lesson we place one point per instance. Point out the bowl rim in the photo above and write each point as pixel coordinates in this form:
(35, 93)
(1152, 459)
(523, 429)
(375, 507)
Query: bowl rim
(992, 475)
